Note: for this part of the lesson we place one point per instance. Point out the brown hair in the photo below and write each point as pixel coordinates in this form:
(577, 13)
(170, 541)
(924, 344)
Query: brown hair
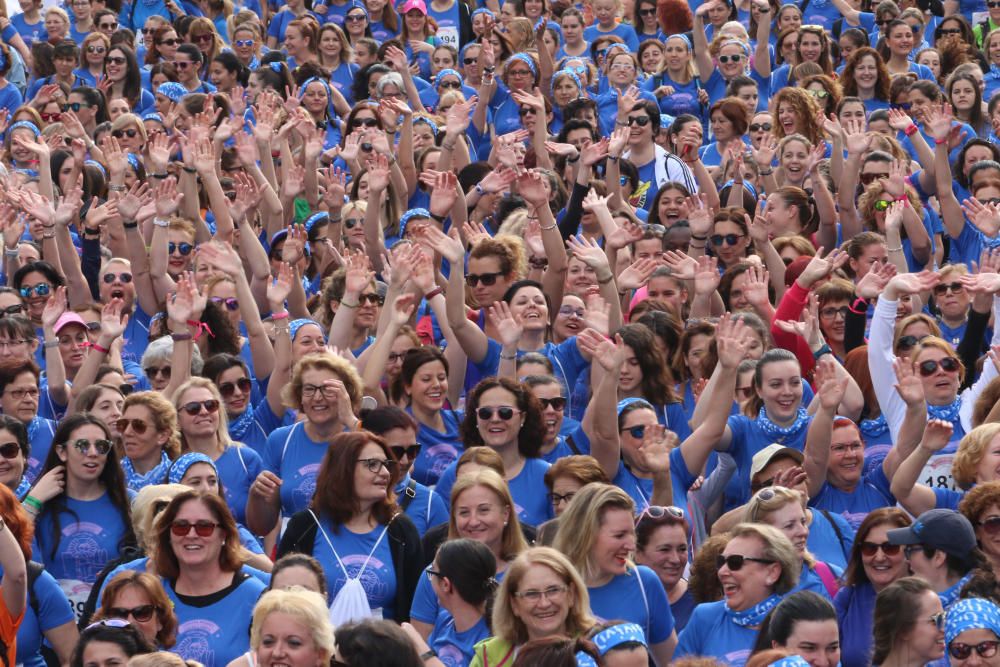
(335, 497)
(151, 586)
(584, 469)
(855, 574)
(230, 560)
(164, 417)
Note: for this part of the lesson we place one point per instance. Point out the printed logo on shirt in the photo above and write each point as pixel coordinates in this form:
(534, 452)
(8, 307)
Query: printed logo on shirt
(194, 640)
(374, 585)
(450, 655)
(638, 198)
(77, 592)
(737, 658)
(83, 557)
(303, 493)
(441, 456)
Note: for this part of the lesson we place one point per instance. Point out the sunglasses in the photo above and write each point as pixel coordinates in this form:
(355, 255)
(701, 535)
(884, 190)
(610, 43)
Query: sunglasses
(153, 372)
(955, 31)
(183, 248)
(211, 406)
(409, 451)
(374, 465)
(124, 277)
(10, 450)
(647, 12)
(41, 289)
(661, 511)
(115, 60)
(243, 43)
(130, 133)
(504, 413)
(938, 620)
(558, 403)
(468, 61)
(904, 106)
(525, 111)
(882, 204)
(454, 85)
(728, 239)
(142, 613)
(954, 288)
(869, 549)
(641, 121)
(637, 432)
(231, 303)
(372, 299)
(202, 528)
(351, 223)
(991, 200)
(872, 176)
(367, 122)
(757, 127)
(204, 37)
(991, 525)
(986, 649)
(50, 117)
(355, 18)
(227, 389)
(819, 94)
(76, 106)
(173, 41)
(487, 279)
(182, 64)
(108, 26)
(735, 58)
(83, 446)
(929, 367)
(908, 342)
(96, 49)
(147, 31)
(138, 426)
(735, 562)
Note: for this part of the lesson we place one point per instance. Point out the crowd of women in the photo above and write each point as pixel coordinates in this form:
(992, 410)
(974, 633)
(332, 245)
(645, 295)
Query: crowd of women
(619, 332)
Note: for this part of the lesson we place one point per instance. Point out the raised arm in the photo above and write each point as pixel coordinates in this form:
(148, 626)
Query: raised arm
(600, 420)
(911, 390)
(858, 142)
(917, 498)
(702, 56)
(831, 389)
(939, 124)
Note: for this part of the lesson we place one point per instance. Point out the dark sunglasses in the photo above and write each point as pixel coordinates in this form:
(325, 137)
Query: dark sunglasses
(231, 303)
(908, 342)
(355, 18)
(83, 446)
(454, 85)
(954, 288)
(182, 64)
(367, 122)
(373, 299)
(558, 403)
(351, 223)
(929, 367)
(735, 562)
(142, 613)
(173, 41)
(991, 525)
(124, 276)
(108, 26)
(986, 649)
(227, 389)
(735, 58)
(729, 239)
(409, 451)
(96, 49)
(951, 31)
(871, 177)
(487, 279)
(138, 426)
(243, 43)
(202, 528)
(130, 133)
(869, 549)
(203, 37)
(183, 248)
(10, 450)
(41, 289)
(50, 117)
(637, 432)
(504, 413)
(468, 61)
(641, 121)
(76, 106)
(16, 309)
(524, 111)
(195, 407)
(647, 12)
(115, 60)
(904, 106)
(153, 371)
(757, 127)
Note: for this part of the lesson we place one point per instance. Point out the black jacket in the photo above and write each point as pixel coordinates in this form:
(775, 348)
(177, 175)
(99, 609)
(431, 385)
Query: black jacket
(404, 545)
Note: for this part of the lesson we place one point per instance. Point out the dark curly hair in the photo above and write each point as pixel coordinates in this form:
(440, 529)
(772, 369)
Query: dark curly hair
(529, 440)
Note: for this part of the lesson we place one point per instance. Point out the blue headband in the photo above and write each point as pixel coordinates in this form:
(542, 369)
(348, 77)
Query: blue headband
(585, 660)
(313, 79)
(569, 73)
(26, 124)
(314, 218)
(748, 186)
(172, 90)
(180, 466)
(616, 45)
(616, 635)
(971, 614)
(526, 59)
(153, 116)
(358, 5)
(790, 661)
(483, 10)
(301, 322)
(445, 72)
(428, 122)
(745, 47)
(409, 215)
(684, 38)
(625, 402)
(95, 163)
(30, 173)
(133, 161)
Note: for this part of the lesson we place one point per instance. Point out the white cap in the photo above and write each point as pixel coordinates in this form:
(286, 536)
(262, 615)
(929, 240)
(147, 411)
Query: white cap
(762, 458)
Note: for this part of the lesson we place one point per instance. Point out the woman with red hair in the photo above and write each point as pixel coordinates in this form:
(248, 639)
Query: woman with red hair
(16, 530)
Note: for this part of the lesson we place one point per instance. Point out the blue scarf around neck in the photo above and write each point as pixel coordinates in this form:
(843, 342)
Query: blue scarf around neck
(776, 432)
(754, 616)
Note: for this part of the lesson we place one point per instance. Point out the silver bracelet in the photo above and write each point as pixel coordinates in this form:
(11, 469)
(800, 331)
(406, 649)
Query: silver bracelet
(161, 222)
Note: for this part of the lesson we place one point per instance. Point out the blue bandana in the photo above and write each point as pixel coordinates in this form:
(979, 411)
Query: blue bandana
(753, 616)
(409, 215)
(948, 413)
(22, 488)
(949, 595)
(616, 635)
(361, 6)
(314, 218)
(185, 461)
(95, 163)
(625, 402)
(526, 59)
(775, 432)
(684, 38)
(446, 72)
(133, 161)
(135, 480)
(428, 122)
(483, 10)
(153, 116)
(585, 660)
(747, 185)
(790, 661)
(301, 322)
(971, 614)
(240, 426)
(570, 73)
(276, 66)
(871, 428)
(172, 90)
(25, 124)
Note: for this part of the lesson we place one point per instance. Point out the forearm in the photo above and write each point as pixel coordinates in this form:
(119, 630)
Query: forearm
(262, 514)
(189, 208)
(706, 184)
(816, 455)
(55, 371)
(311, 182)
(663, 490)
(775, 266)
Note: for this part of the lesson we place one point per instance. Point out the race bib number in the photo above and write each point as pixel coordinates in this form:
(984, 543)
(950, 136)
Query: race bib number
(76, 592)
(448, 35)
(937, 472)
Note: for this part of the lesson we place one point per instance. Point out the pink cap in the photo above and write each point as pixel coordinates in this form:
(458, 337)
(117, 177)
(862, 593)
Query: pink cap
(414, 4)
(69, 318)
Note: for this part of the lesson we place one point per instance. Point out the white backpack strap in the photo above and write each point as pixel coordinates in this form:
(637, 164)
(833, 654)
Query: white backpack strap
(645, 601)
(372, 552)
(329, 543)
(288, 438)
(239, 453)
(430, 497)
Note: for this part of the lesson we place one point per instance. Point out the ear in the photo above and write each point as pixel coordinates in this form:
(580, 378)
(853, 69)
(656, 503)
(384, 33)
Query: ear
(61, 453)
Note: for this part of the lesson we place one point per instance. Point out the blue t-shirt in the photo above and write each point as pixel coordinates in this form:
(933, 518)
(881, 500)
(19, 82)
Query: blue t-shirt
(855, 607)
(342, 79)
(684, 100)
(255, 424)
(53, 611)
(825, 544)
(354, 549)
(681, 610)
(10, 97)
(638, 597)
(567, 362)
(238, 467)
(425, 508)
(748, 438)
(454, 648)
(438, 449)
(623, 30)
(711, 633)
(527, 489)
(91, 533)
(871, 493)
(208, 630)
(640, 489)
(40, 433)
(294, 457)
(30, 33)
(562, 448)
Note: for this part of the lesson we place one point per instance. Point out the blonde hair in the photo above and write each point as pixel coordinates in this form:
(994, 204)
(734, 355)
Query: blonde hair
(161, 659)
(509, 627)
(164, 416)
(222, 431)
(580, 523)
(933, 342)
(970, 452)
(307, 607)
(291, 394)
(128, 120)
(512, 540)
(776, 547)
(143, 516)
(769, 500)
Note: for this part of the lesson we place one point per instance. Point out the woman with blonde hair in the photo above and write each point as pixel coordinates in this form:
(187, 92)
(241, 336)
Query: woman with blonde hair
(337, 57)
(540, 579)
(597, 535)
(150, 438)
(95, 46)
(204, 428)
(139, 598)
(296, 620)
(203, 34)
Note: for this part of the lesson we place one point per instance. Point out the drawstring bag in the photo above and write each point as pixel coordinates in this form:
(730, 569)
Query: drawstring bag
(350, 605)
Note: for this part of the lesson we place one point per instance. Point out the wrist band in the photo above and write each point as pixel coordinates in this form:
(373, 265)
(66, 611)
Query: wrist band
(614, 158)
(117, 188)
(699, 247)
(11, 252)
(279, 316)
(161, 222)
(49, 344)
(821, 351)
(573, 160)
(181, 336)
(32, 502)
(102, 350)
(190, 170)
(699, 238)
(348, 305)
(433, 293)
(439, 218)
(479, 189)
(766, 173)
(549, 228)
(899, 249)
(938, 142)
(860, 306)
(508, 357)
(132, 224)
(911, 130)
(160, 176)
(606, 280)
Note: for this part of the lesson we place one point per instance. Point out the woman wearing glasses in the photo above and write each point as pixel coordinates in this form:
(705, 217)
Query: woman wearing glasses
(981, 506)
(82, 483)
(35, 280)
(92, 53)
(662, 536)
(19, 398)
(249, 420)
(123, 71)
(354, 528)
(542, 596)
(198, 559)
(972, 626)
(148, 431)
(597, 535)
(908, 624)
(139, 599)
(248, 44)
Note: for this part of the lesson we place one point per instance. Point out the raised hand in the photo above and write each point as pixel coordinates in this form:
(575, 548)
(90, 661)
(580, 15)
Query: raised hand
(937, 120)
(654, 450)
(873, 283)
(113, 322)
(756, 289)
(295, 244)
(908, 384)
(610, 354)
(597, 312)
(223, 257)
(856, 138)
(894, 214)
(508, 327)
(168, 199)
(681, 265)
(55, 306)
(706, 278)
(533, 188)
(986, 217)
(911, 283)
(764, 155)
(699, 215)
(594, 152)
(937, 435)
(133, 200)
(590, 252)
(830, 386)
(187, 304)
(280, 287)
(636, 274)
(732, 340)
(820, 267)
(444, 193)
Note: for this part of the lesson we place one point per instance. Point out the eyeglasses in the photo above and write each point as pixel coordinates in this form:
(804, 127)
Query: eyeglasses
(757, 127)
(986, 649)
(367, 122)
(231, 303)
(570, 311)
(882, 204)
(243, 43)
(84, 446)
(183, 248)
(622, 67)
(990, 525)
(915, 29)
(735, 58)
(409, 451)
(641, 121)
(41, 289)
(211, 406)
(504, 413)
(124, 277)
(519, 72)
(904, 106)
(371, 299)
(954, 288)
(637, 432)
(5, 344)
(16, 309)
(138, 426)
(125, 388)
(173, 41)
(203, 37)
(147, 31)
(433, 573)
(50, 117)
(991, 200)
(142, 613)
(18, 394)
(227, 389)
(558, 403)
(735, 562)
(10, 450)
(487, 279)
(728, 239)
(182, 64)
(96, 49)
(938, 620)
(152, 371)
(374, 465)
(115, 60)
(870, 177)
(355, 18)
(930, 366)
(310, 390)
(831, 313)
(131, 133)
(535, 596)
(202, 527)
(468, 61)
(556, 500)
(869, 549)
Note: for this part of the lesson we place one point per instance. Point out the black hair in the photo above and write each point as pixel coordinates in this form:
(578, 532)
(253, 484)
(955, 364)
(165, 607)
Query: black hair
(470, 566)
(38, 266)
(126, 637)
(800, 606)
(132, 85)
(233, 65)
(17, 429)
(274, 74)
(360, 88)
(94, 98)
(301, 560)
(376, 643)
(191, 50)
(387, 418)
(218, 364)
(982, 165)
(957, 167)
(472, 173)
(577, 124)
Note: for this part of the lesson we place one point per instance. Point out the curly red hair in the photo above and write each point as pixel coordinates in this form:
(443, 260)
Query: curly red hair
(17, 520)
(674, 16)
